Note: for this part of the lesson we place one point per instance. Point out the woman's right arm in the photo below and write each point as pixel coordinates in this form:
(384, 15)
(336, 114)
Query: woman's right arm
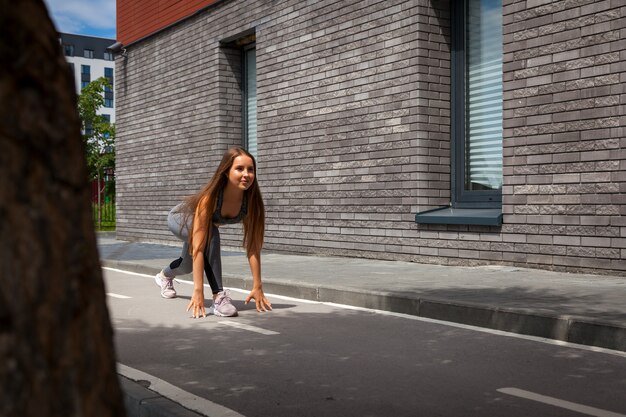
(200, 229)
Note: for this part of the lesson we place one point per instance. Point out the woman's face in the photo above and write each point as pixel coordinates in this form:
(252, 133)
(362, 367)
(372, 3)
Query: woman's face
(241, 174)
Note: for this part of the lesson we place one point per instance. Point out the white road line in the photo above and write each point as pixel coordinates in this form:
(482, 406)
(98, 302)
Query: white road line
(112, 294)
(184, 398)
(130, 329)
(248, 327)
(127, 272)
(579, 408)
(423, 319)
(481, 329)
(280, 297)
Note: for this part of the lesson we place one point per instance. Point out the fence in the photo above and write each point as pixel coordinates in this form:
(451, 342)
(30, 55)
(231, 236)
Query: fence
(103, 201)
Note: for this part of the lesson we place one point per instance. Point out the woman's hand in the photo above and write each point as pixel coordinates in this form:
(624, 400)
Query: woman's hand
(196, 305)
(262, 303)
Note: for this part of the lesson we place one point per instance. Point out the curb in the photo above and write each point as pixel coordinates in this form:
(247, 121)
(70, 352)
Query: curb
(564, 328)
(143, 402)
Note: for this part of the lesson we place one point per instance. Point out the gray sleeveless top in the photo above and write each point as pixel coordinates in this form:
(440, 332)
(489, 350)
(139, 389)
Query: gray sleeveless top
(218, 219)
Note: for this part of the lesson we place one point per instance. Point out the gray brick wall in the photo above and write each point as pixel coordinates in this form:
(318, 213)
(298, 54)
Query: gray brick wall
(354, 129)
(362, 138)
(563, 145)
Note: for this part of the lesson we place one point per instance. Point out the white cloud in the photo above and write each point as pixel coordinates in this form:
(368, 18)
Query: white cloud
(83, 17)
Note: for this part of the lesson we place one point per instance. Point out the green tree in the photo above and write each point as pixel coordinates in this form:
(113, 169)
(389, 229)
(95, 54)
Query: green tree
(98, 136)
(98, 133)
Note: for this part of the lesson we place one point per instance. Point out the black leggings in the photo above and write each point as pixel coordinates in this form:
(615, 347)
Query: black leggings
(184, 264)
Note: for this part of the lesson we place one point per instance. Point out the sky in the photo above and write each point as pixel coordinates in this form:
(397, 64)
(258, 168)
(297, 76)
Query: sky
(83, 17)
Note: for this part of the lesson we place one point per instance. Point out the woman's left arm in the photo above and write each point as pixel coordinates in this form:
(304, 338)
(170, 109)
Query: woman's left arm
(262, 303)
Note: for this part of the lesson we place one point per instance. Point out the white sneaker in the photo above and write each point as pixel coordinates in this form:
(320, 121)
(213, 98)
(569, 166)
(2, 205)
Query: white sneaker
(166, 284)
(223, 306)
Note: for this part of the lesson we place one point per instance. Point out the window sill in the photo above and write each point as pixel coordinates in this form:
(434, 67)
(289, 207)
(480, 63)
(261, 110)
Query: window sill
(449, 215)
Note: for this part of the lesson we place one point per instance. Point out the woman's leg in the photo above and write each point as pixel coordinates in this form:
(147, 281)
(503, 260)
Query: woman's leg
(182, 265)
(213, 261)
(222, 304)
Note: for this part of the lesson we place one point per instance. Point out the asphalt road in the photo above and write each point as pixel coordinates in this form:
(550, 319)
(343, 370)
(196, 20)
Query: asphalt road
(313, 359)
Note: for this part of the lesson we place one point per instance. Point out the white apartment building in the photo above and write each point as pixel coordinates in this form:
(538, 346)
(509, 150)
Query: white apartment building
(90, 60)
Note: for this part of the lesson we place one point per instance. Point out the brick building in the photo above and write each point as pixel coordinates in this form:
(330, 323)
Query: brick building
(439, 131)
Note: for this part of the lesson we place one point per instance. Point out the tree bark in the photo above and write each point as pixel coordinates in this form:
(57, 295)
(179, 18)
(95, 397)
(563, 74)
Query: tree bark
(56, 349)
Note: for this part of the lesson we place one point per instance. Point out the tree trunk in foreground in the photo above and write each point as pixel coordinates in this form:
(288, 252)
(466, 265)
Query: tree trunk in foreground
(56, 350)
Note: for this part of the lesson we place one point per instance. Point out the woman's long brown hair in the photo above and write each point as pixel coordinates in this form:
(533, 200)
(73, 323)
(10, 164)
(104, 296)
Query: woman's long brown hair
(253, 222)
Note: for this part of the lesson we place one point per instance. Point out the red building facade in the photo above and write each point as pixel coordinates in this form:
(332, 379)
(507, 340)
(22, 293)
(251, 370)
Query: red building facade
(137, 19)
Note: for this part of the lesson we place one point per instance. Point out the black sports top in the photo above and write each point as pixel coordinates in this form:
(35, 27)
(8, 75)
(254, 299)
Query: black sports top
(218, 219)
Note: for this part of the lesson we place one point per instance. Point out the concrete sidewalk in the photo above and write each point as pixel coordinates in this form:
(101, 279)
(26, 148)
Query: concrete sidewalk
(577, 308)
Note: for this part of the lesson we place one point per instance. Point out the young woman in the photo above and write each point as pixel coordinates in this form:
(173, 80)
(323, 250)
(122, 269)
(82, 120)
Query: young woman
(231, 196)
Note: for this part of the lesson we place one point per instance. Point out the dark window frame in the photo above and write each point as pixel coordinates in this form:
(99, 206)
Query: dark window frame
(244, 94)
(109, 77)
(85, 75)
(462, 198)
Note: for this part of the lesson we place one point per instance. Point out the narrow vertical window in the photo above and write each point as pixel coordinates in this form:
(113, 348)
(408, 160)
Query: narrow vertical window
(249, 99)
(476, 116)
(477, 103)
(85, 75)
(483, 95)
(88, 129)
(108, 90)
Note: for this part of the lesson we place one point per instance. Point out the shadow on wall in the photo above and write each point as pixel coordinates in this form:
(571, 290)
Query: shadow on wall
(442, 13)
